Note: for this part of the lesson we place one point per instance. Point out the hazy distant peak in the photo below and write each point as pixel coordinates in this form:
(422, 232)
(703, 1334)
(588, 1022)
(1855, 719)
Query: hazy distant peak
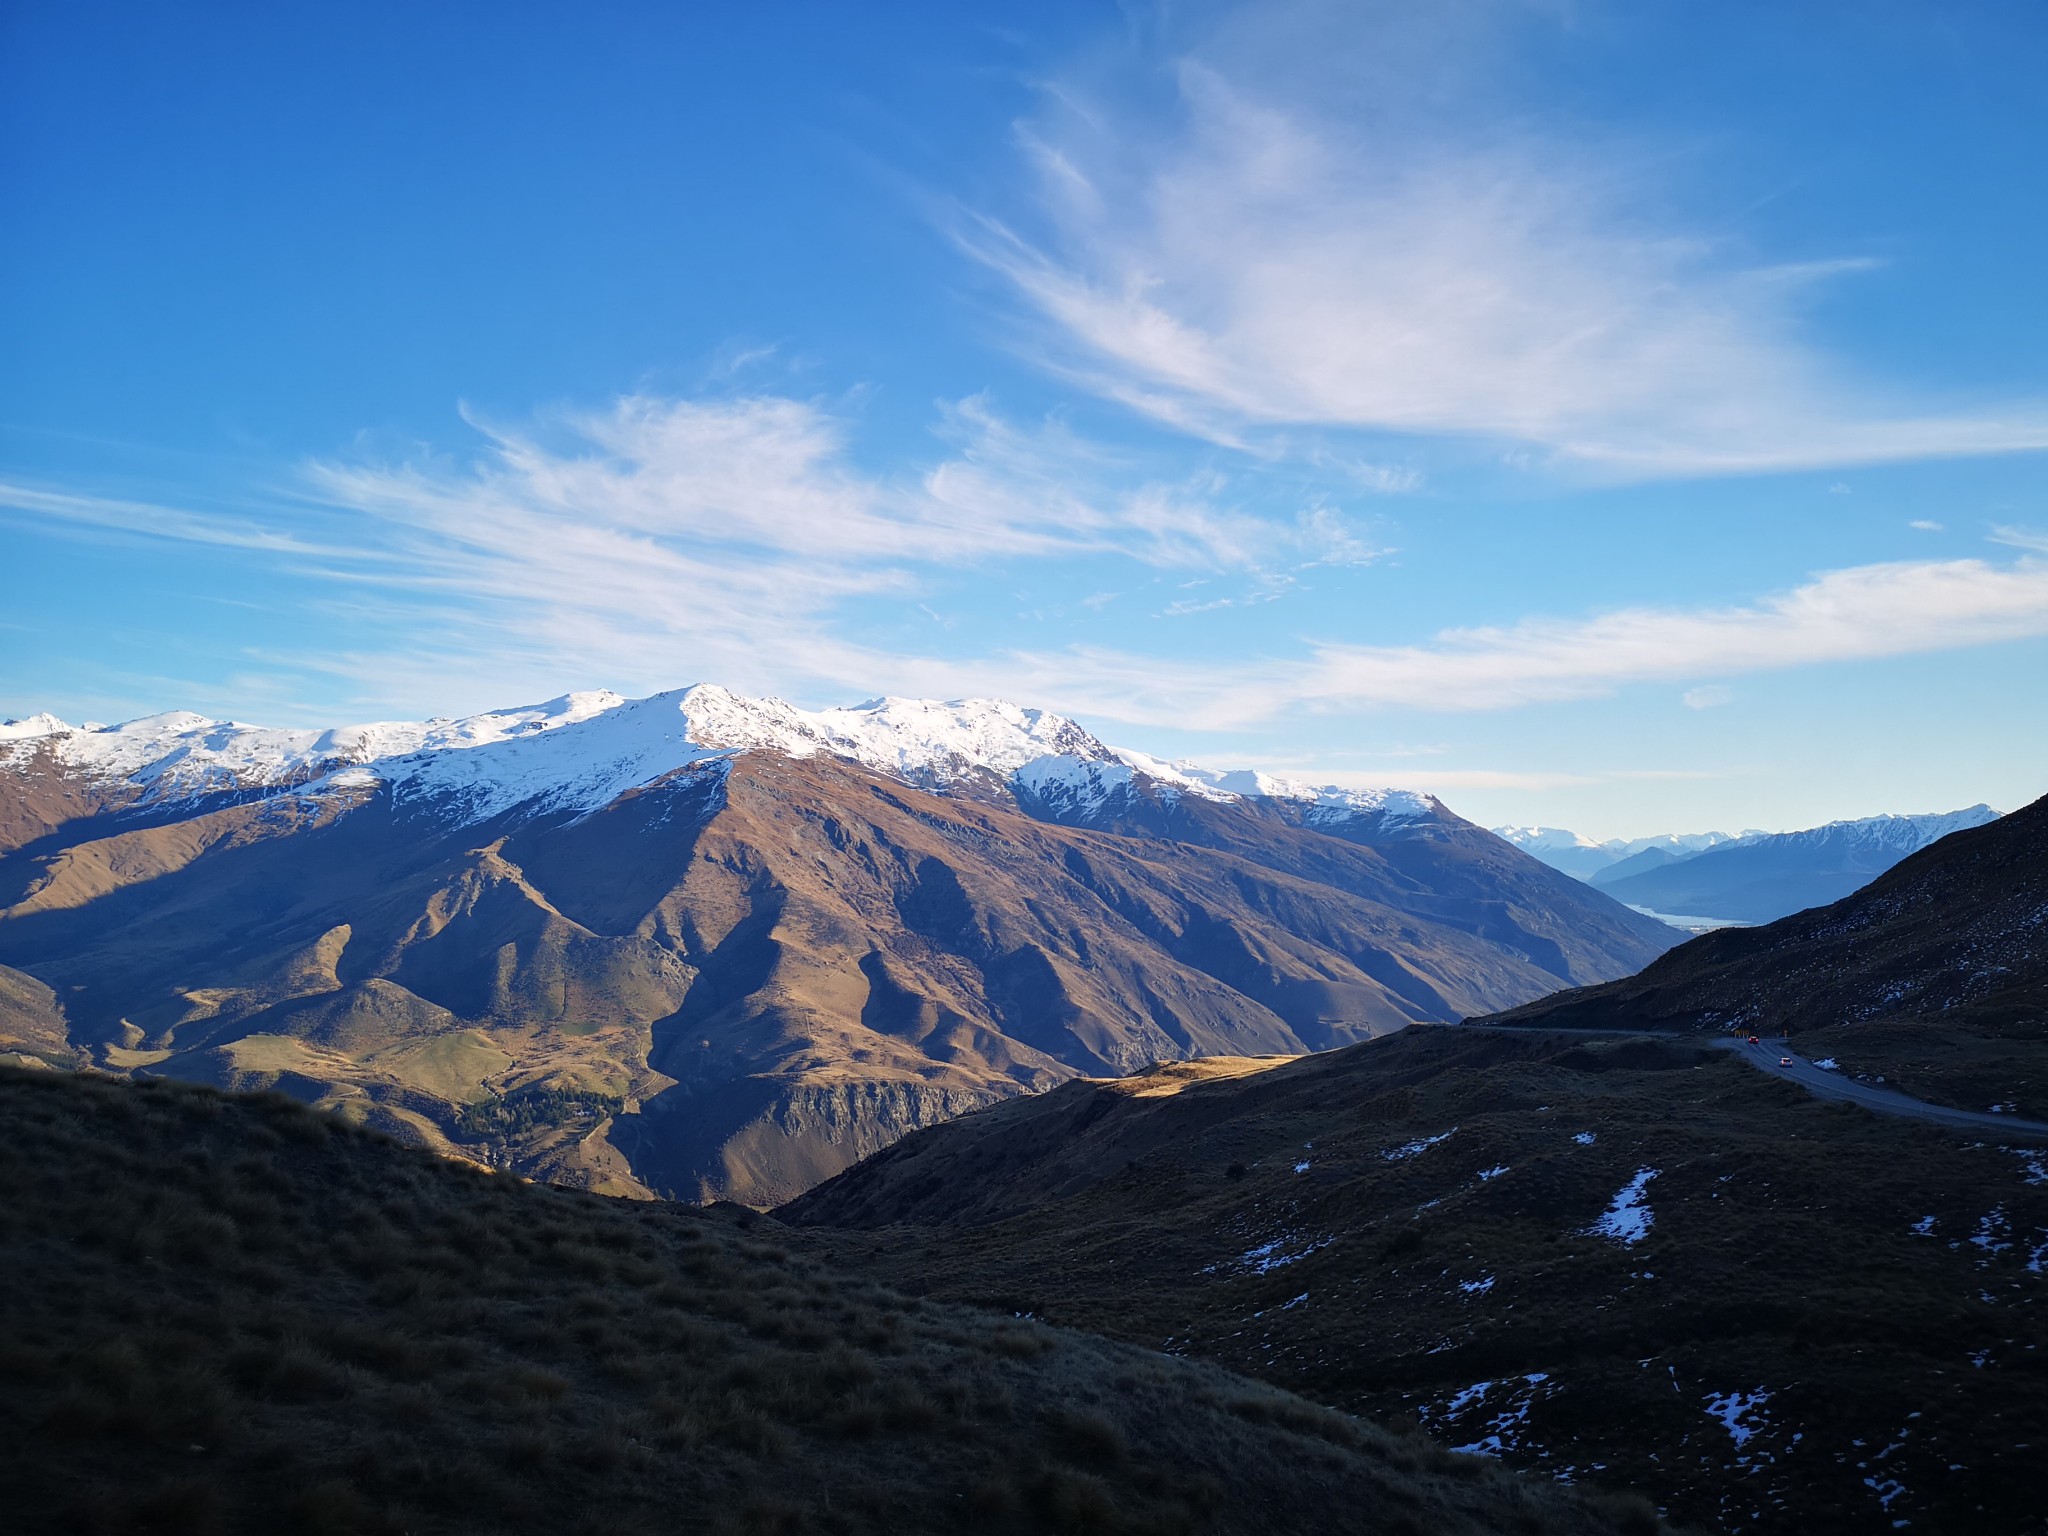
(1546, 839)
(1584, 858)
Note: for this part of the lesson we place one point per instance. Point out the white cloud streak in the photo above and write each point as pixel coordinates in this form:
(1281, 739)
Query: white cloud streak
(1236, 264)
(2021, 538)
(117, 516)
(1861, 613)
(497, 574)
(664, 540)
(670, 541)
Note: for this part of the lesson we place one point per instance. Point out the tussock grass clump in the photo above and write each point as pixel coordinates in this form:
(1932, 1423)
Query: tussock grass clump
(232, 1315)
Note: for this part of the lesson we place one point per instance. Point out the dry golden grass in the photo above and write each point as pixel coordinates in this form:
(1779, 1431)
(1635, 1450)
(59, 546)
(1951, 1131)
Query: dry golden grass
(1167, 1078)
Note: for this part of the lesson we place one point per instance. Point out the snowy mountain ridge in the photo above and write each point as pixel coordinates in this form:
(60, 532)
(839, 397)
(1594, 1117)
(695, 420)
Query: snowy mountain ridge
(1900, 834)
(1757, 877)
(582, 750)
(1586, 859)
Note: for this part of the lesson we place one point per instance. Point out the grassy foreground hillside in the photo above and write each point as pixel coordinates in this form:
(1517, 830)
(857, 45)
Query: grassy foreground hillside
(236, 1315)
(1640, 1261)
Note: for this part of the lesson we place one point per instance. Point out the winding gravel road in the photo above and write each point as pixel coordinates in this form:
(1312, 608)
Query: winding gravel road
(1768, 1054)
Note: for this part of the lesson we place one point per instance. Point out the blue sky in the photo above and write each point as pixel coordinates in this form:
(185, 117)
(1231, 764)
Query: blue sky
(1620, 417)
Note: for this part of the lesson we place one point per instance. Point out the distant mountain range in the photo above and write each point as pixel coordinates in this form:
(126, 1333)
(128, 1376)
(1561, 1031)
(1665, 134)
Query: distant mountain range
(1953, 937)
(1582, 857)
(718, 946)
(1753, 877)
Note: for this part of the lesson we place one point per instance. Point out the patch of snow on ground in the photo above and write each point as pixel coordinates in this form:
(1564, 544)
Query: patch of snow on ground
(1302, 1166)
(1417, 1147)
(1502, 1427)
(1466, 1397)
(1280, 1252)
(1585, 1138)
(1492, 1173)
(1731, 1407)
(1477, 1287)
(1828, 1064)
(1628, 1219)
(1924, 1227)
(1994, 1232)
(2033, 1165)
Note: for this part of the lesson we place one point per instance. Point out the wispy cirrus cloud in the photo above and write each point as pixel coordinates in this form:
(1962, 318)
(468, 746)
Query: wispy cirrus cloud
(2021, 538)
(1859, 613)
(1248, 257)
(117, 516)
(663, 539)
(773, 477)
(568, 563)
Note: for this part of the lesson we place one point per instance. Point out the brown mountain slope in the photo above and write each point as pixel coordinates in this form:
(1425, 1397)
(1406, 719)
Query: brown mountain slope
(33, 1029)
(1934, 975)
(235, 1316)
(1637, 1260)
(738, 979)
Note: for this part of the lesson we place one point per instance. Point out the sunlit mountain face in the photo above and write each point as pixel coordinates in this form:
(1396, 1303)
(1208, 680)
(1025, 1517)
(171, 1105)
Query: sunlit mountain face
(713, 946)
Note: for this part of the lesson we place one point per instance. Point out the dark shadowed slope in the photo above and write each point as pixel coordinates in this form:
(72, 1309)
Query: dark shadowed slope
(1934, 975)
(1637, 1260)
(231, 1317)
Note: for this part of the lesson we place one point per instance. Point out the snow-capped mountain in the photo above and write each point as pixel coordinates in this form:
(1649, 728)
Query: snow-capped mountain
(1765, 876)
(719, 948)
(1888, 835)
(581, 751)
(770, 939)
(1581, 857)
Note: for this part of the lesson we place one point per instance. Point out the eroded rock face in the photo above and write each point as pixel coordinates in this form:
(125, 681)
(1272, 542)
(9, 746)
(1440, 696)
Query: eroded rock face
(764, 1140)
(741, 976)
